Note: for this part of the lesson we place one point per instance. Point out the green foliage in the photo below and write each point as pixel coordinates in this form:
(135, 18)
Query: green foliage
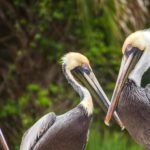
(34, 36)
(109, 140)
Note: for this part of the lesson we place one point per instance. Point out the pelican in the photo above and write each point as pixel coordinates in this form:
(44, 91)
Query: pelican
(131, 100)
(68, 131)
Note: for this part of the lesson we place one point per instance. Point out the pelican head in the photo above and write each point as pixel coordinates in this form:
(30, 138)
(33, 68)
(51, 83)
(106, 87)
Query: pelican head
(77, 67)
(135, 61)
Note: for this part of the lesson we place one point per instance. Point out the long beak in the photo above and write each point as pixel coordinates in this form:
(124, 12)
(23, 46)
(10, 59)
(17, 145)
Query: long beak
(3, 141)
(127, 65)
(92, 84)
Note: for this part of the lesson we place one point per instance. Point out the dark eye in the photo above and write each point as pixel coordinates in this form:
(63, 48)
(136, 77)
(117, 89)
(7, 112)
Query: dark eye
(86, 68)
(130, 50)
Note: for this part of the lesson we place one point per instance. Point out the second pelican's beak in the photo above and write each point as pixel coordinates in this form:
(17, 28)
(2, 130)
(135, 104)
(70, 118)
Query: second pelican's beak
(88, 79)
(129, 61)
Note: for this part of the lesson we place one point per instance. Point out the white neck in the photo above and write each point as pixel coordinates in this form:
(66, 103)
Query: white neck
(143, 64)
(85, 96)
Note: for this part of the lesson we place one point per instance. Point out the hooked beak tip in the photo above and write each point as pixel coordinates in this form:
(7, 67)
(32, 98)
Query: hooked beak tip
(107, 119)
(107, 123)
(123, 128)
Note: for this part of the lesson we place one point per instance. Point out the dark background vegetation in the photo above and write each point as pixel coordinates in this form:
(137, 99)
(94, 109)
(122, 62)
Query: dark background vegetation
(35, 34)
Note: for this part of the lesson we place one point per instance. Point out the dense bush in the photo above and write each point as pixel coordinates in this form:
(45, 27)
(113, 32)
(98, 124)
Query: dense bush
(36, 34)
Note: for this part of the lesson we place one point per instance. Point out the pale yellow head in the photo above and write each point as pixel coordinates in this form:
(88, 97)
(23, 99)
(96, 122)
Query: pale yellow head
(73, 59)
(136, 39)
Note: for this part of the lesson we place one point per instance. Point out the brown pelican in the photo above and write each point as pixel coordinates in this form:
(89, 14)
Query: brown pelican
(68, 131)
(130, 98)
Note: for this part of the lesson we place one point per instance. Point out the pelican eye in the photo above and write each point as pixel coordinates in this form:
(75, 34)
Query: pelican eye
(86, 68)
(83, 68)
(130, 50)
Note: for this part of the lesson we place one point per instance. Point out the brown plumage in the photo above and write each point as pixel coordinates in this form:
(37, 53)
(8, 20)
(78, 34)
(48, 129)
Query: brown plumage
(134, 111)
(68, 131)
(133, 100)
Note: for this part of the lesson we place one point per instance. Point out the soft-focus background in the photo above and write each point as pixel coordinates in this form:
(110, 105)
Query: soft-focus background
(35, 34)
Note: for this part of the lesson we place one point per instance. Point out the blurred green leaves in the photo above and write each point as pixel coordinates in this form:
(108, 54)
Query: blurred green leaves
(109, 139)
(41, 95)
(35, 35)
(9, 109)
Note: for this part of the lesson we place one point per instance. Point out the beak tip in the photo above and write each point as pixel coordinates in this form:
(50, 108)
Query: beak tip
(123, 128)
(107, 123)
(107, 119)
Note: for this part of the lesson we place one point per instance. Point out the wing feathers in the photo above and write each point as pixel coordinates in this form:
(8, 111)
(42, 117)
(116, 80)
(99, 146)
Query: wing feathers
(33, 134)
